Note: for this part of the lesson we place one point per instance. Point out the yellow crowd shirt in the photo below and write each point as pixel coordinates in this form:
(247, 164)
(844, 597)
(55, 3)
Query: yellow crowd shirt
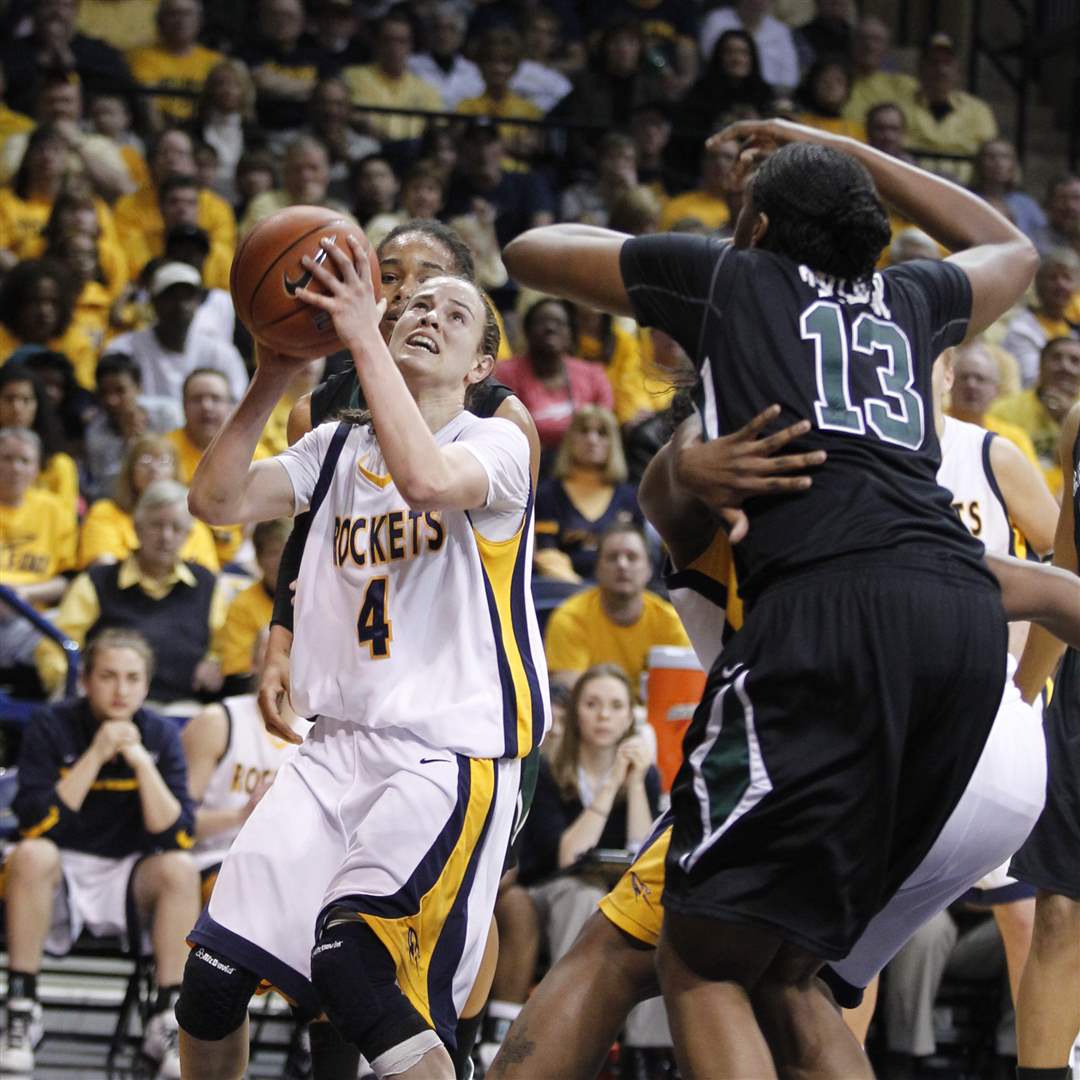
(835, 125)
(156, 66)
(248, 615)
(108, 533)
(712, 212)
(877, 89)
(1028, 413)
(37, 539)
(634, 390)
(13, 123)
(963, 130)
(80, 609)
(124, 24)
(369, 86)
(580, 634)
(60, 476)
(73, 343)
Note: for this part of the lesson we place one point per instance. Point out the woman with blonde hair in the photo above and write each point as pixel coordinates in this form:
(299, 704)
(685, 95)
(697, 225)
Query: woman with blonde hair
(108, 533)
(225, 120)
(586, 494)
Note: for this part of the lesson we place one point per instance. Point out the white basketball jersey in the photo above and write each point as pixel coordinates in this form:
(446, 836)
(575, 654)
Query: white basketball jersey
(966, 472)
(253, 754)
(419, 620)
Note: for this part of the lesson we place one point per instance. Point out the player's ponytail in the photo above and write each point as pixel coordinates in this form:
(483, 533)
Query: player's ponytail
(823, 210)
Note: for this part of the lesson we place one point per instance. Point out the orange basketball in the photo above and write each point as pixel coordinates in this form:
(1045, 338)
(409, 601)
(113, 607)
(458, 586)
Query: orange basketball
(266, 272)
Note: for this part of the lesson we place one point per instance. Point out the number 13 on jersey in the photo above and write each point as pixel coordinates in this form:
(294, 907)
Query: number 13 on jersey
(898, 416)
(373, 628)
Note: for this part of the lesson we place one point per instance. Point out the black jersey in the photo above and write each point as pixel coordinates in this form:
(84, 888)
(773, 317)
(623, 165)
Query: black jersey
(342, 391)
(856, 361)
(1076, 491)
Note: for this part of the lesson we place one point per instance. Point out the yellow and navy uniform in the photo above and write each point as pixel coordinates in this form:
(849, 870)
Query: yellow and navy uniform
(706, 598)
(37, 539)
(108, 533)
(110, 821)
(248, 615)
(579, 634)
(157, 67)
(81, 610)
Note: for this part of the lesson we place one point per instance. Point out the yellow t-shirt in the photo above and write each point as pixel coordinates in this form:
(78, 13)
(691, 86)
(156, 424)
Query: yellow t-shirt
(73, 343)
(877, 89)
(109, 533)
(60, 476)
(961, 131)
(124, 24)
(712, 212)
(579, 634)
(37, 540)
(634, 389)
(13, 123)
(518, 140)
(142, 228)
(248, 614)
(1028, 413)
(369, 86)
(836, 125)
(156, 66)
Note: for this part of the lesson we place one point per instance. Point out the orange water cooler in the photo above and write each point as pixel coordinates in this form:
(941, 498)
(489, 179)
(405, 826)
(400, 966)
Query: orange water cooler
(675, 683)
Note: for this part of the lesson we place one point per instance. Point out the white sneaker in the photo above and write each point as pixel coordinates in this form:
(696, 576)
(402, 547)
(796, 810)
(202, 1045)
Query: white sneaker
(161, 1043)
(23, 1030)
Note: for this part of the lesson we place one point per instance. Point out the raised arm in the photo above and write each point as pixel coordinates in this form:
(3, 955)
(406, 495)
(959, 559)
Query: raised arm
(998, 259)
(228, 486)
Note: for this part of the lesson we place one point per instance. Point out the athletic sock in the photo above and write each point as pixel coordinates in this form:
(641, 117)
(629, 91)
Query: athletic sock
(22, 985)
(498, 1018)
(166, 998)
(467, 1030)
(1024, 1073)
(332, 1058)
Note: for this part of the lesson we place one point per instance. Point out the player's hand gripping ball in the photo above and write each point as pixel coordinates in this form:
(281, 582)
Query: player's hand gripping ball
(267, 272)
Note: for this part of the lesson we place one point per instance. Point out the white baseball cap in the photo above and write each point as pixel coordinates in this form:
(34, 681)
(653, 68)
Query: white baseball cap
(174, 273)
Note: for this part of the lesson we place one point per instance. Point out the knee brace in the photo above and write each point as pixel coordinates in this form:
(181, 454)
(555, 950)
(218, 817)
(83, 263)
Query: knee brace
(356, 981)
(214, 995)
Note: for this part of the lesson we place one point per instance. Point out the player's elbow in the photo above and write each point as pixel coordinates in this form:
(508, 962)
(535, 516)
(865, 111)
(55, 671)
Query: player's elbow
(1025, 260)
(207, 509)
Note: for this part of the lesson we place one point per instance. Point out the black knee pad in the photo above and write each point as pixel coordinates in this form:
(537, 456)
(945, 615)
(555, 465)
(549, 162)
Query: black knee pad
(214, 996)
(355, 979)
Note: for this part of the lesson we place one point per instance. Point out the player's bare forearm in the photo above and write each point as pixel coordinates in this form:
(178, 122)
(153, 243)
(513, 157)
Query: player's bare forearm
(221, 483)
(575, 262)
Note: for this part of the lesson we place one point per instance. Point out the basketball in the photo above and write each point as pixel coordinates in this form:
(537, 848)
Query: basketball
(267, 272)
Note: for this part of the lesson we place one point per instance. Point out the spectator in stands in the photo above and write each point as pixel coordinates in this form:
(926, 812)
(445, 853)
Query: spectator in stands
(976, 385)
(616, 81)
(104, 812)
(24, 404)
(123, 413)
(1056, 283)
(108, 533)
(775, 42)
(375, 188)
(37, 302)
(177, 60)
(886, 130)
(618, 620)
(538, 77)
(284, 63)
(586, 493)
(91, 157)
(499, 54)
(422, 193)
(444, 66)
(590, 201)
(305, 181)
(250, 610)
(549, 380)
(942, 118)
(828, 33)
(600, 789)
(1041, 409)
(709, 203)
(179, 197)
(910, 243)
(37, 543)
(1062, 228)
(139, 219)
(231, 760)
(340, 30)
(72, 403)
(225, 119)
(81, 212)
(996, 177)
(732, 86)
(256, 172)
(389, 83)
(823, 95)
(175, 604)
(650, 128)
(169, 350)
(216, 315)
(874, 82)
(328, 122)
(11, 122)
(522, 200)
(55, 45)
(92, 314)
(110, 115)
(36, 187)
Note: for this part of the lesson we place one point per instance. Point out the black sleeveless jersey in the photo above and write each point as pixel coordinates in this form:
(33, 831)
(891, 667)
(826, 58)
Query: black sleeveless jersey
(1076, 491)
(854, 360)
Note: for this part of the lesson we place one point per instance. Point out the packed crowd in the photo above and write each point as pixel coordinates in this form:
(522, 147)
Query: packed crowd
(121, 357)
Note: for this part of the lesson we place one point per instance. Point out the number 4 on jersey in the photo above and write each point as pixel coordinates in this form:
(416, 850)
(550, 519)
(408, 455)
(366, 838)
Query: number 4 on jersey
(898, 416)
(373, 628)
